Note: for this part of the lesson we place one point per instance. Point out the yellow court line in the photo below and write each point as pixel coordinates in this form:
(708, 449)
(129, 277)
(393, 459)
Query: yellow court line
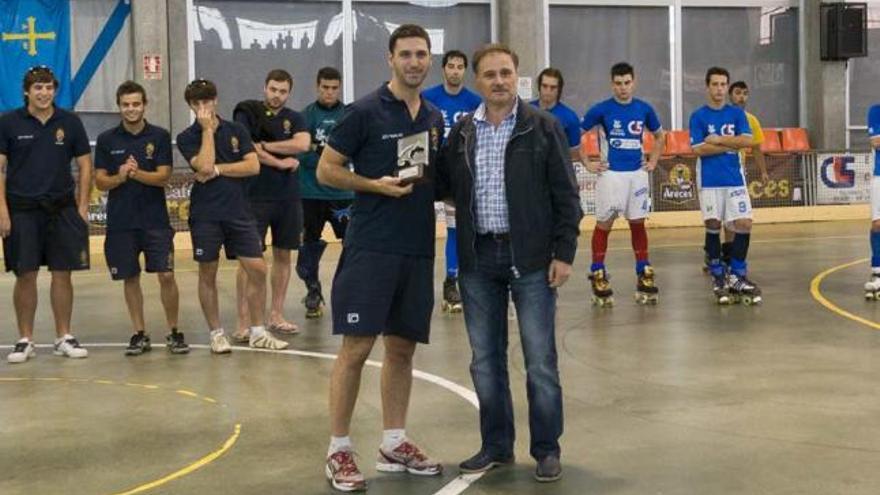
(816, 292)
(204, 461)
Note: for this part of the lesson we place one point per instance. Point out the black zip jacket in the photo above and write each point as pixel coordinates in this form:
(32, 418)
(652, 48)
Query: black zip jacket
(544, 209)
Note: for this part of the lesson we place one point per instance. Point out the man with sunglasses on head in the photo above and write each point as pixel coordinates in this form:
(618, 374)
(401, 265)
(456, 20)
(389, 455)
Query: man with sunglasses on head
(43, 210)
(222, 155)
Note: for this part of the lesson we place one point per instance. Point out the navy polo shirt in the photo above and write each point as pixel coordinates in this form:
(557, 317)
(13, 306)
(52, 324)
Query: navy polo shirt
(134, 205)
(368, 133)
(39, 155)
(221, 198)
(273, 184)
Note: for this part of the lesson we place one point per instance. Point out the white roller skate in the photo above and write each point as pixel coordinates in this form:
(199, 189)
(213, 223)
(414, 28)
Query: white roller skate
(872, 287)
(451, 297)
(744, 290)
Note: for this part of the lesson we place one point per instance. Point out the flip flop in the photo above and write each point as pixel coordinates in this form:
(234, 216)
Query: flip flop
(284, 328)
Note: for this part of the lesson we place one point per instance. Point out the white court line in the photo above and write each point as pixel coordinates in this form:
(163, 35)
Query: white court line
(458, 485)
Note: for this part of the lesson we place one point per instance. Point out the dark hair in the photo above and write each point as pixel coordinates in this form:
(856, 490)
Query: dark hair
(455, 54)
(328, 74)
(38, 74)
(494, 48)
(128, 88)
(621, 69)
(737, 85)
(716, 71)
(279, 75)
(200, 89)
(554, 73)
(408, 31)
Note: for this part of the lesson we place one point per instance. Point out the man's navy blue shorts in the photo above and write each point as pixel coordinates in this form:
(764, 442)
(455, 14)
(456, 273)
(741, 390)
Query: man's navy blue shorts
(123, 249)
(238, 237)
(284, 217)
(58, 240)
(383, 294)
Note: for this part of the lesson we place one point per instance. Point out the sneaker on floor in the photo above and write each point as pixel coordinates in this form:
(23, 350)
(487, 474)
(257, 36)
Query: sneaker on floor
(549, 469)
(220, 344)
(22, 352)
(342, 472)
(407, 457)
(69, 347)
(175, 343)
(482, 462)
(139, 344)
(267, 341)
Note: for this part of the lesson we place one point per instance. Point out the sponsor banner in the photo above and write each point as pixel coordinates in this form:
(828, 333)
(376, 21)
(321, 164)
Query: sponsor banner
(843, 178)
(176, 199)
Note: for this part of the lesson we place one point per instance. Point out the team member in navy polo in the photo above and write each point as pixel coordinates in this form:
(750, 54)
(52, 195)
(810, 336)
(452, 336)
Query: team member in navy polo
(550, 85)
(222, 155)
(133, 162)
(43, 213)
(279, 133)
(384, 280)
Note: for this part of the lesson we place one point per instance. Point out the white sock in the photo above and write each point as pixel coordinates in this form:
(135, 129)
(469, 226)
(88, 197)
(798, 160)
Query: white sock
(875, 270)
(22, 340)
(339, 443)
(217, 331)
(63, 338)
(391, 439)
(258, 331)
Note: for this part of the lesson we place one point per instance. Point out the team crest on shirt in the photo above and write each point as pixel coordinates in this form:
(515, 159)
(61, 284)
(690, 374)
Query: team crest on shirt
(679, 188)
(287, 125)
(149, 150)
(59, 136)
(233, 141)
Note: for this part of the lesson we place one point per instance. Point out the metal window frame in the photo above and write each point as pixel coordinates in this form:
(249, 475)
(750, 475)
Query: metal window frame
(347, 10)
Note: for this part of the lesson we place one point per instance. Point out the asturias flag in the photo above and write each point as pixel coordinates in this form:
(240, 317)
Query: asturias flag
(32, 33)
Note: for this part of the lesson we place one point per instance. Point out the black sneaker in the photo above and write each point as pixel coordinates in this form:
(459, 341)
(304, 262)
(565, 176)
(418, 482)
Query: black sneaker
(175, 344)
(482, 462)
(549, 469)
(139, 344)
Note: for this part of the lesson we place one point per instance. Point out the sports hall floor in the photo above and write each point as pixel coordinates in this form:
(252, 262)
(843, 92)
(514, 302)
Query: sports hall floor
(682, 398)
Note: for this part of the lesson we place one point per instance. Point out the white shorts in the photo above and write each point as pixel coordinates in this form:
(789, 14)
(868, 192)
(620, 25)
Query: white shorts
(725, 203)
(624, 193)
(875, 198)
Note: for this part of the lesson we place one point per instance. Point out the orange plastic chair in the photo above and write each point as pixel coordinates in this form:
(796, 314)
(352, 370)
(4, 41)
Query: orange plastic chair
(648, 141)
(678, 143)
(795, 140)
(772, 141)
(590, 144)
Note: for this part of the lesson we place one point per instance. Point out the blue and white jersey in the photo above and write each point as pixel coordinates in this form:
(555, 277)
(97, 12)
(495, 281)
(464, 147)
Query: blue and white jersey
(874, 131)
(622, 125)
(723, 169)
(453, 107)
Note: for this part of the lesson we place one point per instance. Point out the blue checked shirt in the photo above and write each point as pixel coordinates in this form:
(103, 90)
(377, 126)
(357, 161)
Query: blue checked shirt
(491, 198)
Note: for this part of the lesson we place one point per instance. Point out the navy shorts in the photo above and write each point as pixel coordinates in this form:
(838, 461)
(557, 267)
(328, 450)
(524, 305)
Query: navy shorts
(284, 217)
(59, 241)
(123, 251)
(238, 237)
(317, 212)
(378, 293)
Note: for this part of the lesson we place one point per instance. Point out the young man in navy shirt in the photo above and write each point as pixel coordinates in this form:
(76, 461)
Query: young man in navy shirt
(384, 280)
(133, 163)
(43, 213)
(623, 184)
(718, 132)
(454, 101)
(550, 85)
(222, 155)
(279, 134)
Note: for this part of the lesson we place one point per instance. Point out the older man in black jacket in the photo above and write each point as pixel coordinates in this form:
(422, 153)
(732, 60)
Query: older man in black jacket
(507, 168)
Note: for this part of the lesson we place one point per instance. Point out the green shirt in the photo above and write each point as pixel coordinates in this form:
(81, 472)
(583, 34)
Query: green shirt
(320, 121)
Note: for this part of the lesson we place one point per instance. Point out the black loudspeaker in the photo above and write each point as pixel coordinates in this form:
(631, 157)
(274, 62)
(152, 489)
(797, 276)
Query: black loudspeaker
(844, 30)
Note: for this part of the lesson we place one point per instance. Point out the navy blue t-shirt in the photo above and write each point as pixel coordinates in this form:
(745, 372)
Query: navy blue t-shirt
(274, 184)
(221, 198)
(368, 134)
(134, 205)
(39, 155)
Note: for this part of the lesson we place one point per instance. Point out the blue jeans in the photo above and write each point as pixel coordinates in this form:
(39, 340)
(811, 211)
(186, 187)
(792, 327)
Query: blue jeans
(485, 292)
